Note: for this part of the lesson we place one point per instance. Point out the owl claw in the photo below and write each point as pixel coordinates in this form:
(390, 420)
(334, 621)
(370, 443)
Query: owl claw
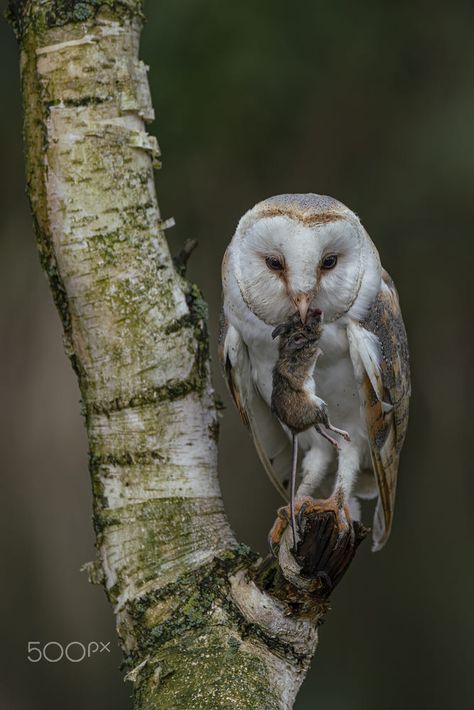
(305, 506)
(346, 529)
(278, 528)
(282, 522)
(299, 517)
(344, 524)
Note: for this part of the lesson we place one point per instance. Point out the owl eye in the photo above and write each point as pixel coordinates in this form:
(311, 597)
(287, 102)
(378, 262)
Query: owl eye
(329, 262)
(274, 263)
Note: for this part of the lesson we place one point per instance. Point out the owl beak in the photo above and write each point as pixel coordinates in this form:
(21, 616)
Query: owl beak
(302, 301)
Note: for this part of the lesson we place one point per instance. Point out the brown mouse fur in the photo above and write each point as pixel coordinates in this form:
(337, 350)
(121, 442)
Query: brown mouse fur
(293, 396)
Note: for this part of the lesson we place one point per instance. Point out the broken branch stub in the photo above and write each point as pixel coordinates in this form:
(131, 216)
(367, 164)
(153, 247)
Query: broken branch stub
(322, 557)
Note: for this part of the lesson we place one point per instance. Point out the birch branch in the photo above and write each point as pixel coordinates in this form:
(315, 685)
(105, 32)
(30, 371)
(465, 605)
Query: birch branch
(201, 622)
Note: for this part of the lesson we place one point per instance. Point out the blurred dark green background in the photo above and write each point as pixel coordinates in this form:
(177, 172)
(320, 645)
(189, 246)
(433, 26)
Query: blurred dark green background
(371, 103)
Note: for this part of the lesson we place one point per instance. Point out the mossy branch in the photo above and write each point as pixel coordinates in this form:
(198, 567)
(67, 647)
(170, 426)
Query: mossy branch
(201, 622)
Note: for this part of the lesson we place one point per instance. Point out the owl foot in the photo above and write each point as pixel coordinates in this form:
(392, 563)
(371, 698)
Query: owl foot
(333, 505)
(305, 506)
(337, 505)
(282, 521)
(278, 528)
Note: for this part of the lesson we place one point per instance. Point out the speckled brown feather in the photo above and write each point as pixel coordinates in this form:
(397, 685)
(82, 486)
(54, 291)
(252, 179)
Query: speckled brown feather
(387, 426)
(385, 321)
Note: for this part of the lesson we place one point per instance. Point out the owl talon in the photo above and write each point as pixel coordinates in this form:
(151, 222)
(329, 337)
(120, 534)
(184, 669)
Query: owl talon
(283, 519)
(278, 528)
(335, 505)
(344, 524)
(306, 506)
(301, 512)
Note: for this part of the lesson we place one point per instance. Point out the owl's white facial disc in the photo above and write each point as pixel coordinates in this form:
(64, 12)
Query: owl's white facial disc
(305, 251)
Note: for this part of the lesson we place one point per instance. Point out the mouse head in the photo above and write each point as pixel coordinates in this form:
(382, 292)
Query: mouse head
(295, 335)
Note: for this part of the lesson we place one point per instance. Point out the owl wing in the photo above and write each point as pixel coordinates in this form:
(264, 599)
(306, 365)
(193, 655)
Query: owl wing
(271, 442)
(379, 352)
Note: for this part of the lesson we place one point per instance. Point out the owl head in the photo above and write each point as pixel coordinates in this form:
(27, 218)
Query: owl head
(293, 252)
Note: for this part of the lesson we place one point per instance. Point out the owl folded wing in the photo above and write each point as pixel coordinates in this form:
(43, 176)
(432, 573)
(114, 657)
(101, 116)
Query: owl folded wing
(379, 352)
(273, 446)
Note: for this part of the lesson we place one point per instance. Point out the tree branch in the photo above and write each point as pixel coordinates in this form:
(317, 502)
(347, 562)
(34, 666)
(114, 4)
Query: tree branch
(201, 622)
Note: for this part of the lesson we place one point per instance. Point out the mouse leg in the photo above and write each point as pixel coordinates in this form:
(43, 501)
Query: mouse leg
(321, 409)
(325, 421)
(326, 436)
(341, 432)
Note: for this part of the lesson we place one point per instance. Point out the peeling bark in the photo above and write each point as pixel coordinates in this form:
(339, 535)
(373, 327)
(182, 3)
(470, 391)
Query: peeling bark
(201, 622)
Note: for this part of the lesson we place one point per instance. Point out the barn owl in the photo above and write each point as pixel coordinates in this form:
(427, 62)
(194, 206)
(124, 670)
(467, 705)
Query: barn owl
(291, 253)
